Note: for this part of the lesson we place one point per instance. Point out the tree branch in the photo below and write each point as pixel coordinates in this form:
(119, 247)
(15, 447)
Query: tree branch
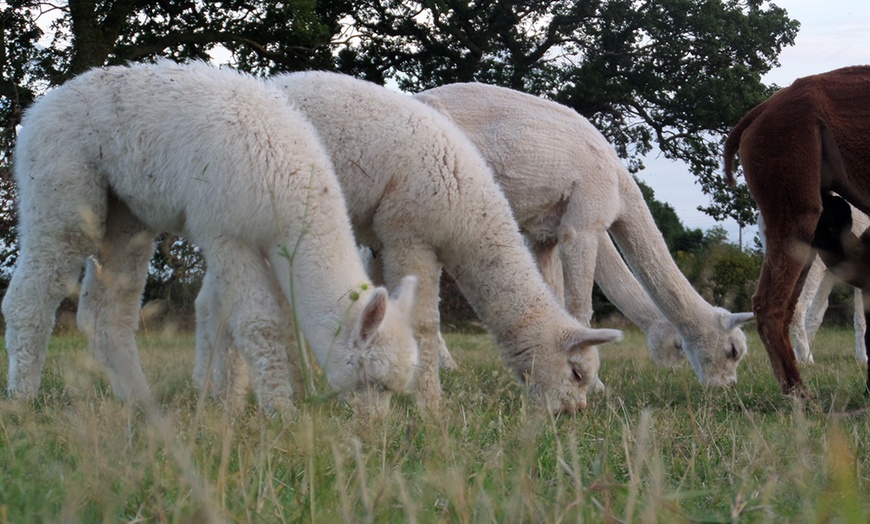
(209, 37)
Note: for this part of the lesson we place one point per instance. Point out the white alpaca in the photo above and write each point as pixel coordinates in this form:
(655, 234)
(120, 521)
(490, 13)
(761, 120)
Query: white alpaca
(118, 153)
(421, 196)
(622, 288)
(568, 187)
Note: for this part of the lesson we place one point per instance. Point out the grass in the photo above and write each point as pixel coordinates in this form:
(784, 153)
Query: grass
(655, 447)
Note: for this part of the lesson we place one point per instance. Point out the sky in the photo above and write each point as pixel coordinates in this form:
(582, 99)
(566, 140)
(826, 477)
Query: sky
(833, 33)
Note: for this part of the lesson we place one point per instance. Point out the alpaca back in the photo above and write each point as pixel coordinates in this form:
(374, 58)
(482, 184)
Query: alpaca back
(406, 162)
(535, 147)
(131, 126)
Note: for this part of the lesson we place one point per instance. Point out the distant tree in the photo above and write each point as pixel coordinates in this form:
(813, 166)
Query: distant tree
(715, 236)
(733, 275)
(671, 73)
(676, 236)
(42, 44)
(735, 203)
(8, 223)
(674, 73)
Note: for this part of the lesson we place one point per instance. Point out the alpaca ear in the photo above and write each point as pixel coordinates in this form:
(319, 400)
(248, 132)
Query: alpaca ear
(372, 315)
(406, 294)
(737, 319)
(597, 386)
(582, 338)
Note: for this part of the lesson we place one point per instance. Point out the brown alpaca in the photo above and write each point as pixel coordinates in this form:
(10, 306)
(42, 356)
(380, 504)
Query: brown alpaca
(807, 139)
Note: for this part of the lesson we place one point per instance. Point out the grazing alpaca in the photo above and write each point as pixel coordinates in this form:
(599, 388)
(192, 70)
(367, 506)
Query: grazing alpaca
(807, 139)
(118, 153)
(420, 195)
(568, 188)
(811, 306)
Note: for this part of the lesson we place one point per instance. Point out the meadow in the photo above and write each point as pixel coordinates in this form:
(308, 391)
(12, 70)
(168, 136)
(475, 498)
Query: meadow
(655, 447)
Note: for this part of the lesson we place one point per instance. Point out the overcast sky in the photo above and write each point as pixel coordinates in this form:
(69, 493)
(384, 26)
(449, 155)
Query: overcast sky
(833, 33)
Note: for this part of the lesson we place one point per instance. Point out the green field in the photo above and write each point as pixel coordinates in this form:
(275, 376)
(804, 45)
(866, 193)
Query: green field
(655, 447)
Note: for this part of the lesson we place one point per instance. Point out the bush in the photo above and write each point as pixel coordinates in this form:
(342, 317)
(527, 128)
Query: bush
(734, 277)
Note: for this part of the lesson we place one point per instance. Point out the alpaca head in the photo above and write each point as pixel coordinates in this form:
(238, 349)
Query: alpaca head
(561, 368)
(383, 354)
(665, 345)
(714, 354)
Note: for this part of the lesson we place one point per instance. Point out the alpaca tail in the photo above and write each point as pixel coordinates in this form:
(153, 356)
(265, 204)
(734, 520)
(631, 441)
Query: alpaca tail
(732, 143)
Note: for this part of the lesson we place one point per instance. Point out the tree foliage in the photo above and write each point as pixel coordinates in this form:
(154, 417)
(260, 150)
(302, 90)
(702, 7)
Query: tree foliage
(44, 44)
(675, 74)
(676, 236)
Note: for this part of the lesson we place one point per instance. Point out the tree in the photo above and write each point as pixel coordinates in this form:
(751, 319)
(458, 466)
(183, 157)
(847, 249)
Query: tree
(677, 73)
(261, 36)
(676, 236)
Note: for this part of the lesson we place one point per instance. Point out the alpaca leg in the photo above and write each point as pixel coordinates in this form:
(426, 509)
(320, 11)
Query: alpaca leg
(375, 269)
(111, 299)
(578, 254)
(206, 331)
(578, 264)
(859, 319)
(293, 346)
(254, 320)
(421, 261)
(816, 313)
(210, 371)
(219, 370)
(786, 187)
(550, 265)
(783, 272)
(808, 308)
(59, 229)
(47, 272)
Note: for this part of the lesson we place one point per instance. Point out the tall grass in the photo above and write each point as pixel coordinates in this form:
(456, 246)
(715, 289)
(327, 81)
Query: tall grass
(656, 447)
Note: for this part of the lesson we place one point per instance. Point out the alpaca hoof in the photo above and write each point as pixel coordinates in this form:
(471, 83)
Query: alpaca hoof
(20, 392)
(278, 408)
(796, 390)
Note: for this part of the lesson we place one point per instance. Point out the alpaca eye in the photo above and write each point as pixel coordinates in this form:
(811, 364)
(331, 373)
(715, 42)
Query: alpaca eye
(733, 354)
(576, 376)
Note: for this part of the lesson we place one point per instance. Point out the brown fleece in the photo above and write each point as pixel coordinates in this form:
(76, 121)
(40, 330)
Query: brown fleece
(809, 138)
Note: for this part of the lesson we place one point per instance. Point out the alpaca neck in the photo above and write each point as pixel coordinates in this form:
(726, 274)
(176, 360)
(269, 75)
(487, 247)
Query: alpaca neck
(622, 288)
(505, 289)
(330, 291)
(647, 255)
